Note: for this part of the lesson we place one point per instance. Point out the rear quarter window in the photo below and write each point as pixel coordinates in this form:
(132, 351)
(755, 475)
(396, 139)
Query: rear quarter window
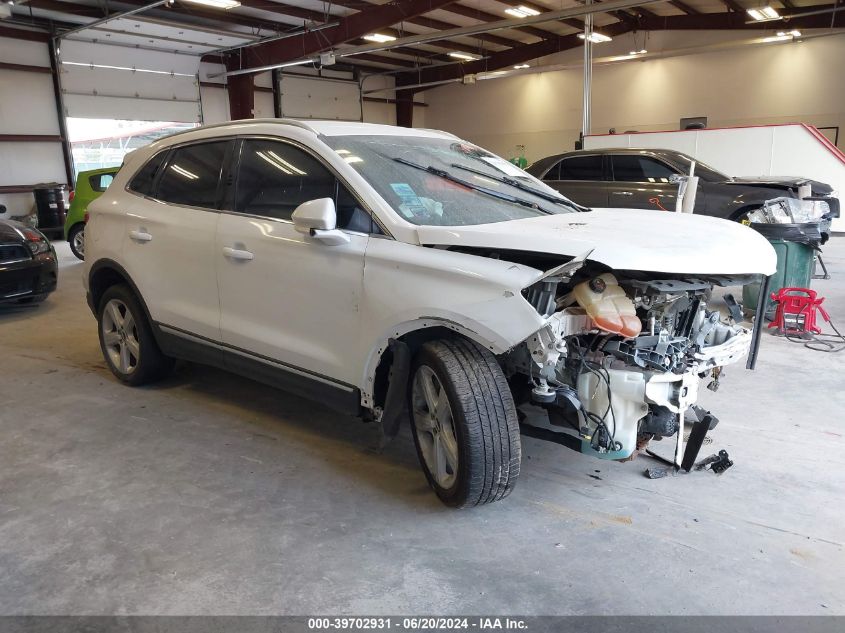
(100, 182)
(144, 181)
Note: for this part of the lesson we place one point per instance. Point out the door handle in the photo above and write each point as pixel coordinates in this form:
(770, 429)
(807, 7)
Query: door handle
(622, 193)
(140, 236)
(235, 253)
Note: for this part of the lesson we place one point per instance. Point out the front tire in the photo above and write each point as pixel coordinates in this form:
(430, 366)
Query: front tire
(76, 239)
(127, 341)
(464, 422)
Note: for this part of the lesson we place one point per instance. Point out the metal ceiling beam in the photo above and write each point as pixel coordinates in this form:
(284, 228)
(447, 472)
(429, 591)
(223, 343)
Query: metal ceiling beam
(349, 28)
(809, 17)
(550, 16)
(430, 23)
(291, 59)
(733, 5)
(68, 8)
(483, 16)
(289, 10)
(113, 16)
(503, 59)
(678, 4)
(183, 15)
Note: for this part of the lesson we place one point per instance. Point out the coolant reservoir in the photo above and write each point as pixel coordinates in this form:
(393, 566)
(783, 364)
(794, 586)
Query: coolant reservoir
(608, 305)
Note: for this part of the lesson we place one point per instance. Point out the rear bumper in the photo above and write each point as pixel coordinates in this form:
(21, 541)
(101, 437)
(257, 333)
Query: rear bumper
(31, 278)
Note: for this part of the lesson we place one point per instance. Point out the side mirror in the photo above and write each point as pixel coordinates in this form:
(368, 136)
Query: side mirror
(318, 219)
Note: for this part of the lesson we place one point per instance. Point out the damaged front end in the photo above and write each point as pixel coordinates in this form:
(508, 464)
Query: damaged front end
(621, 357)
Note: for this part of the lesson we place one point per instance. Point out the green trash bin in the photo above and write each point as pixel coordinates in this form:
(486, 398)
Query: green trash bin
(796, 263)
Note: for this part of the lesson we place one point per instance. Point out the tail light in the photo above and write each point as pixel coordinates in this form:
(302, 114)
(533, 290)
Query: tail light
(86, 218)
(71, 195)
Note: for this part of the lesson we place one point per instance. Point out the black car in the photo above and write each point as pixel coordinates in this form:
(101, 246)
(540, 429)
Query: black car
(647, 179)
(28, 268)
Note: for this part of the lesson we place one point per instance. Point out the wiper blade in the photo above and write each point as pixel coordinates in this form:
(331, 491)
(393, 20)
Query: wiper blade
(466, 183)
(506, 180)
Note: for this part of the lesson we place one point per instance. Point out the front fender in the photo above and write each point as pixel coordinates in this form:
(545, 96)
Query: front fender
(409, 288)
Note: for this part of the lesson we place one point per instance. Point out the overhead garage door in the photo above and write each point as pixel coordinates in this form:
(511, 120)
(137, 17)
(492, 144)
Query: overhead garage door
(117, 82)
(320, 98)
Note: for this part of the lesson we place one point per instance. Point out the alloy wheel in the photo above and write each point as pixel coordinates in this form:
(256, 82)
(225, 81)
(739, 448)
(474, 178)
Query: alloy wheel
(79, 242)
(435, 427)
(120, 336)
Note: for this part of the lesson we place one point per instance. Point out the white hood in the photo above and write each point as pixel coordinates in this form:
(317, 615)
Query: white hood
(625, 239)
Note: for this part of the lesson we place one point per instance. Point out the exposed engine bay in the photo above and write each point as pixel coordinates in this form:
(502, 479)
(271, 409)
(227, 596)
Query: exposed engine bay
(621, 357)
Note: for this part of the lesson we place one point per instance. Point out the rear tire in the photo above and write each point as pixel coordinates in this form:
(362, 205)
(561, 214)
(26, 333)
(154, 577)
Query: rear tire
(76, 239)
(127, 341)
(464, 423)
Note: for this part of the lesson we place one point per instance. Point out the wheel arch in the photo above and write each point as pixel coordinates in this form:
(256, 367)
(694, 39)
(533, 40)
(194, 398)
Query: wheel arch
(104, 274)
(413, 334)
(69, 229)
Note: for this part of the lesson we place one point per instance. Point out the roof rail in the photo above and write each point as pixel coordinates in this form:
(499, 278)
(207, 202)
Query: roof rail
(292, 122)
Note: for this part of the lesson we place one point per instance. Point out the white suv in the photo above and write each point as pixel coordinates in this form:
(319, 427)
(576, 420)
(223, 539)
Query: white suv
(387, 271)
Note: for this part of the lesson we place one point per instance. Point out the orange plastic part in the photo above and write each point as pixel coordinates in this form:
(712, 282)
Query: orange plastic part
(608, 306)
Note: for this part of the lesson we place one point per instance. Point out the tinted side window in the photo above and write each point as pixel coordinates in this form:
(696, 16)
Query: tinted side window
(274, 178)
(145, 178)
(351, 216)
(631, 168)
(100, 182)
(581, 168)
(553, 173)
(192, 175)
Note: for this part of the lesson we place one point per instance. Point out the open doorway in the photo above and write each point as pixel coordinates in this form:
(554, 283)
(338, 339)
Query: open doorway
(97, 143)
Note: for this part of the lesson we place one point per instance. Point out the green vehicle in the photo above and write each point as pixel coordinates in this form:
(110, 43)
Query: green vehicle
(90, 185)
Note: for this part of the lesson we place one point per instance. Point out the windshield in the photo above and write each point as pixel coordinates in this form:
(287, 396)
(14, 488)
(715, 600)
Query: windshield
(702, 170)
(447, 182)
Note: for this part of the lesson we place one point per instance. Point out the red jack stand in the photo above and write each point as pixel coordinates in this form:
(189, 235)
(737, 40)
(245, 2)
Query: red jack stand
(796, 311)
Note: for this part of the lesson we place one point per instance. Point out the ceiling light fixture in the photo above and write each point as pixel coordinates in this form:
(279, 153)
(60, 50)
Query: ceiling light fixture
(381, 38)
(642, 51)
(464, 57)
(217, 4)
(595, 38)
(763, 14)
(521, 66)
(521, 11)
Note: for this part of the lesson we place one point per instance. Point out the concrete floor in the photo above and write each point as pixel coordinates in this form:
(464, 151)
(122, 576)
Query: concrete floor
(211, 494)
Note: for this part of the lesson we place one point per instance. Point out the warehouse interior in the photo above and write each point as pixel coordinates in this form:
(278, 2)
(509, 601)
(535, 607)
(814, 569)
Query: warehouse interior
(212, 494)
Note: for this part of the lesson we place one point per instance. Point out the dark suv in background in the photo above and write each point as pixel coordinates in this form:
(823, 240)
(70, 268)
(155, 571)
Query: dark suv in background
(647, 179)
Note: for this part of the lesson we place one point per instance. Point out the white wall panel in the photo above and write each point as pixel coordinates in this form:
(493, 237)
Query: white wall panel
(27, 106)
(16, 204)
(375, 112)
(31, 163)
(27, 103)
(783, 83)
(15, 51)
